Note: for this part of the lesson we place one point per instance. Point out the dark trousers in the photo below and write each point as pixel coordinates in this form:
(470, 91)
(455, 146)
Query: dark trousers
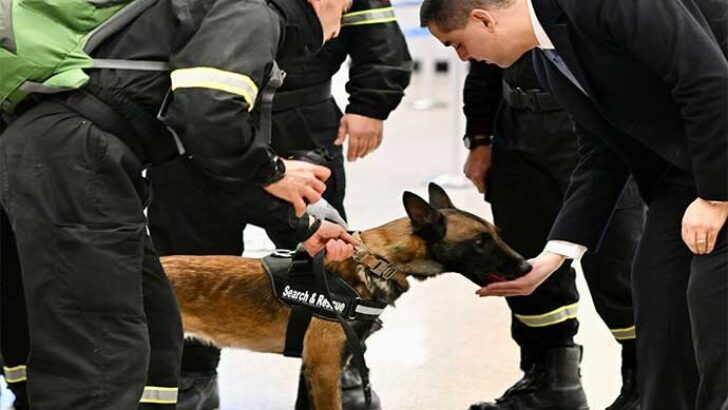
(681, 306)
(104, 326)
(533, 156)
(188, 217)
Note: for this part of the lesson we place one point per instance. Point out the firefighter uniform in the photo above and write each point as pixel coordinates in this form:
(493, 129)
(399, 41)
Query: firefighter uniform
(305, 118)
(533, 155)
(105, 331)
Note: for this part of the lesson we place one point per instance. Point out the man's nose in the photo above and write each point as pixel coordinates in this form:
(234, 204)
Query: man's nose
(463, 56)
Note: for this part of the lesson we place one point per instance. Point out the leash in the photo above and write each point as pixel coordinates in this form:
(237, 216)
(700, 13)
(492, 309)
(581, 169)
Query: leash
(352, 339)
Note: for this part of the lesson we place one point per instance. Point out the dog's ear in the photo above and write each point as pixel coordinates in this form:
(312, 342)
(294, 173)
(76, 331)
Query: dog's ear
(427, 221)
(438, 197)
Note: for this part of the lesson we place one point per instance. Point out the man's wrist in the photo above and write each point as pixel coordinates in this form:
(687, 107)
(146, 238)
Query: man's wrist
(273, 171)
(566, 249)
(474, 141)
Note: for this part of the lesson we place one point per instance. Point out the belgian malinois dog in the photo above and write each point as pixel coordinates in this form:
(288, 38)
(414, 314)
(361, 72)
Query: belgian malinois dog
(228, 300)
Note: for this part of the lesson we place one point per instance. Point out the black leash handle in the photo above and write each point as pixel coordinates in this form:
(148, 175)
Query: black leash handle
(355, 345)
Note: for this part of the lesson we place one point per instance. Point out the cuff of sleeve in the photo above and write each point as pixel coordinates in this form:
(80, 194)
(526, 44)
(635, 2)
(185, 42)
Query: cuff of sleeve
(366, 111)
(564, 248)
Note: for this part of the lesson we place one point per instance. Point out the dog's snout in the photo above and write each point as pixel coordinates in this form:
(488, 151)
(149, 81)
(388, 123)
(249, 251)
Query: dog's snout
(524, 267)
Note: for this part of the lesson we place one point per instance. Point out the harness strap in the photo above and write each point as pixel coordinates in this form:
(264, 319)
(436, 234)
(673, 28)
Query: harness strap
(266, 101)
(355, 345)
(375, 264)
(298, 322)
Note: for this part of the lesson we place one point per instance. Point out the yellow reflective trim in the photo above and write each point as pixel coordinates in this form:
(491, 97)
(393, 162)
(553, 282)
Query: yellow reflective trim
(16, 374)
(626, 333)
(553, 317)
(216, 79)
(159, 395)
(372, 16)
(369, 11)
(361, 23)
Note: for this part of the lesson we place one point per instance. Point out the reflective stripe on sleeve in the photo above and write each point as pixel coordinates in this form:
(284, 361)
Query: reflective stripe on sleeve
(215, 79)
(373, 16)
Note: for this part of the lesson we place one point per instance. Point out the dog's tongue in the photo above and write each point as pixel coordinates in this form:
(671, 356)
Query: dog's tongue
(495, 278)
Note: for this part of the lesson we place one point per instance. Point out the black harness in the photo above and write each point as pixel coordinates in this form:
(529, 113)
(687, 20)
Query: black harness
(303, 284)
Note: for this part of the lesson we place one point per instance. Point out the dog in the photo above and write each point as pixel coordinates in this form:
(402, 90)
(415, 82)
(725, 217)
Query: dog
(228, 301)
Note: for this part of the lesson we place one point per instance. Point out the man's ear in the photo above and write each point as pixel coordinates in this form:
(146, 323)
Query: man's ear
(485, 17)
(438, 197)
(427, 221)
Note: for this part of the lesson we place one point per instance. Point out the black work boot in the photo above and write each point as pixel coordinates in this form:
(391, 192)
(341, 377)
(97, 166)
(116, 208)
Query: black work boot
(551, 381)
(198, 391)
(352, 395)
(629, 397)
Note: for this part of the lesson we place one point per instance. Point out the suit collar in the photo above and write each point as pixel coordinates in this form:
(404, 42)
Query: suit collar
(555, 23)
(543, 39)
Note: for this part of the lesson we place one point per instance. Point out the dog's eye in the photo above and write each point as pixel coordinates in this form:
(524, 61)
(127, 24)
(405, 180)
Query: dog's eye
(480, 242)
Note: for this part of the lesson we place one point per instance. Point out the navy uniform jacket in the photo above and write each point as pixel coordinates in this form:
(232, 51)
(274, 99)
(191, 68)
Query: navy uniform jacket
(657, 85)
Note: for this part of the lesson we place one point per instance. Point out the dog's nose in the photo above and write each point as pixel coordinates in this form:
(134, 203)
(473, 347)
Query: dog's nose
(524, 267)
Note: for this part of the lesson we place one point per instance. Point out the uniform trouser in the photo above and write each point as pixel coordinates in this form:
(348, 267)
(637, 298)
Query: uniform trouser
(188, 218)
(105, 331)
(681, 307)
(533, 156)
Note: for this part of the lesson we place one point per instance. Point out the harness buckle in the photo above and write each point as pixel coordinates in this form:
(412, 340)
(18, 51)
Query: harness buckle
(283, 253)
(388, 272)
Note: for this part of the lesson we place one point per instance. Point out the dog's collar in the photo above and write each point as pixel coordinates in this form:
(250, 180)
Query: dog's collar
(375, 264)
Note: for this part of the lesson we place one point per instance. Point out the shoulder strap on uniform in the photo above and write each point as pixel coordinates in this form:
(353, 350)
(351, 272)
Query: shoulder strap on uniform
(275, 80)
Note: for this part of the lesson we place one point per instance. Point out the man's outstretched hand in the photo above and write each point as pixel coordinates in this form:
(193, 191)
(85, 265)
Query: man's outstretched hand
(543, 266)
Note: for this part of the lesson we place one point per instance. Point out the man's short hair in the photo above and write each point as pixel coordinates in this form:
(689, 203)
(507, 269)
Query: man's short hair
(452, 14)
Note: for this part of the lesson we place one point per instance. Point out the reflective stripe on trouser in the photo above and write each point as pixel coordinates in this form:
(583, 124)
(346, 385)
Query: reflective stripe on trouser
(215, 79)
(15, 374)
(373, 16)
(159, 395)
(553, 317)
(626, 333)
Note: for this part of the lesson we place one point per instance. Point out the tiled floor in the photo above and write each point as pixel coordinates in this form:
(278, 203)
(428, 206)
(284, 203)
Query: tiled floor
(442, 347)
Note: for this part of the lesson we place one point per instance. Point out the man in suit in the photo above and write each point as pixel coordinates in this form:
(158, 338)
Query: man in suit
(647, 84)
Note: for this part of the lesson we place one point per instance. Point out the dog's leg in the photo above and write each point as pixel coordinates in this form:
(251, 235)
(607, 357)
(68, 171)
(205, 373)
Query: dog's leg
(323, 347)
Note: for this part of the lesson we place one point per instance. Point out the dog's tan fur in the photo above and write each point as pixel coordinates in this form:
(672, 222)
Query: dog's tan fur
(229, 302)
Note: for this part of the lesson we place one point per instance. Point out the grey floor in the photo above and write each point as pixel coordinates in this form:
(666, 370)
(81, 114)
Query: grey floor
(442, 347)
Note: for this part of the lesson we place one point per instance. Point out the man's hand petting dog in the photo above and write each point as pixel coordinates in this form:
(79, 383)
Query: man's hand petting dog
(702, 223)
(338, 243)
(303, 184)
(543, 266)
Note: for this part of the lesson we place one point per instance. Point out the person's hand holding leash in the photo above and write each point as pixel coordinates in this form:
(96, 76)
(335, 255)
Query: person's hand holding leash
(365, 135)
(701, 224)
(338, 243)
(477, 166)
(543, 266)
(302, 184)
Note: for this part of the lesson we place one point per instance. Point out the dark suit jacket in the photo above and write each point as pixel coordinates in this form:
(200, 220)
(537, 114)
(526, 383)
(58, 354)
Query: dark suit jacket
(657, 84)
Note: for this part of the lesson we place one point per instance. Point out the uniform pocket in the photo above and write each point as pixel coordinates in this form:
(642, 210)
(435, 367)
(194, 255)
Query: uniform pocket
(103, 268)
